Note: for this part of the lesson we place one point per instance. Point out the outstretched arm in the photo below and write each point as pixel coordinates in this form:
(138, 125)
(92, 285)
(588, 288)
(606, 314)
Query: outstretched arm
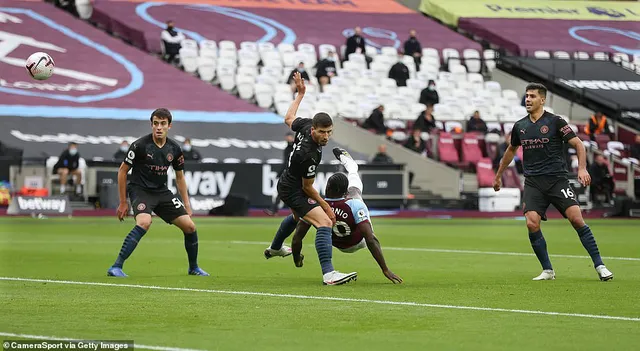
(376, 251)
(293, 109)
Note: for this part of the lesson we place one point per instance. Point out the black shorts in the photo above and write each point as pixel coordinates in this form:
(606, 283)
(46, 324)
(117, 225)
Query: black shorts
(296, 199)
(542, 191)
(163, 203)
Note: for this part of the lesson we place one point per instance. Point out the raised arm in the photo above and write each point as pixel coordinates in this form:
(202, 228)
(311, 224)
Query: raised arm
(293, 109)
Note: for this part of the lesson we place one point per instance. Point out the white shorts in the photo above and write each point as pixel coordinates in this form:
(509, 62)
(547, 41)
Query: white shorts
(361, 245)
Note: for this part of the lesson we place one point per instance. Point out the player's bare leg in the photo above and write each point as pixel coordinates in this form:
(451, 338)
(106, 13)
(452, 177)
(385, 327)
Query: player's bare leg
(319, 219)
(185, 223)
(143, 223)
(574, 215)
(539, 245)
(77, 180)
(63, 173)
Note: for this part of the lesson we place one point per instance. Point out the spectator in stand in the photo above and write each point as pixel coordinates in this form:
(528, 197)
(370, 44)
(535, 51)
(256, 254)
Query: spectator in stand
(381, 157)
(413, 48)
(598, 124)
(429, 95)
(375, 122)
(476, 124)
(303, 73)
(415, 142)
(601, 180)
(635, 148)
(399, 72)
(122, 151)
(190, 154)
(500, 152)
(171, 40)
(326, 69)
(426, 122)
(68, 164)
(355, 44)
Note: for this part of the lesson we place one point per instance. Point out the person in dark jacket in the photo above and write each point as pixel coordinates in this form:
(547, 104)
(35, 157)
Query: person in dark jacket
(171, 40)
(426, 122)
(601, 180)
(355, 43)
(289, 137)
(190, 154)
(476, 124)
(375, 121)
(429, 95)
(399, 72)
(635, 148)
(413, 48)
(68, 164)
(381, 157)
(598, 124)
(326, 69)
(415, 142)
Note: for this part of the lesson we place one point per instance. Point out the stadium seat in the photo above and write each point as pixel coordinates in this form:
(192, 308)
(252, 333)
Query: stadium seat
(389, 51)
(209, 48)
(616, 148)
(602, 56)
(324, 50)
(491, 141)
(581, 55)
(471, 152)
(447, 151)
(206, 68)
(370, 51)
(249, 46)
(561, 55)
(472, 60)
(248, 58)
(542, 54)
(489, 59)
(264, 95)
(226, 77)
(245, 86)
(484, 173)
(189, 60)
(450, 56)
(510, 178)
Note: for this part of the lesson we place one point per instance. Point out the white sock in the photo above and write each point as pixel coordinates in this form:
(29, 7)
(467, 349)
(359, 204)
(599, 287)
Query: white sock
(349, 164)
(355, 181)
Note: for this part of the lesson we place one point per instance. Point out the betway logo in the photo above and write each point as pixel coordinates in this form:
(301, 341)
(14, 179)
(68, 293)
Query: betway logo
(42, 204)
(205, 183)
(49, 86)
(602, 84)
(205, 204)
(64, 138)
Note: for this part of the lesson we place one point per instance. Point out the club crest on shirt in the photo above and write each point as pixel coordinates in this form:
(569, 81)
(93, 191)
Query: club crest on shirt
(141, 207)
(544, 129)
(311, 201)
(169, 157)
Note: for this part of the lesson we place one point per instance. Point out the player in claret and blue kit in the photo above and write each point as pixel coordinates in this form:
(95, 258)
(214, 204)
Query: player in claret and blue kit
(150, 157)
(542, 135)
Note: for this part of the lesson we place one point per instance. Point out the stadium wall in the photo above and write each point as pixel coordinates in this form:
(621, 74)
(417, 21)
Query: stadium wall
(428, 174)
(559, 104)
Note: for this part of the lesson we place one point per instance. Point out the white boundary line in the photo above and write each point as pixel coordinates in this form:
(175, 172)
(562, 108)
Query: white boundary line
(325, 298)
(498, 253)
(135, 346)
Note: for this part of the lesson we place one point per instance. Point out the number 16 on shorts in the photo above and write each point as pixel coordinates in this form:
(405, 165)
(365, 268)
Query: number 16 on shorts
(568, 193)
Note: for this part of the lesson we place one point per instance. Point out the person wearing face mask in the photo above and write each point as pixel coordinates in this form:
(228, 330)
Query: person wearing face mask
(68, 164)
(326, 69)
(122, 151)
(190, 154)
(413, 48)
(171, 40)
(303, 73)
(399, 72)
(429, 95)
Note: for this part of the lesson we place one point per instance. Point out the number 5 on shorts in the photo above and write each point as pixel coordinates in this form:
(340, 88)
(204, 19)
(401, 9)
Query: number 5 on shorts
(567, 193)
(177, 202)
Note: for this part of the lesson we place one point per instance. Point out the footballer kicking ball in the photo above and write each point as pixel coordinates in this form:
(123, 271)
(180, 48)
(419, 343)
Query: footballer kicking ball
(40, 66)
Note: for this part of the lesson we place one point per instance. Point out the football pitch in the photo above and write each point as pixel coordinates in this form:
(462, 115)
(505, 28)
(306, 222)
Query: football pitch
(467, 286)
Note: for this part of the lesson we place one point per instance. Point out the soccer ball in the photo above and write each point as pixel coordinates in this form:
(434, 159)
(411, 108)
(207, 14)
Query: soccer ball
(40, 66)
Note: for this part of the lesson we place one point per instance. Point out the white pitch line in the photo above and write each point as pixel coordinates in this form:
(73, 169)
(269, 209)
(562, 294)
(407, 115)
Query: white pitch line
(326, 298)
(499, 253)
(135, 346)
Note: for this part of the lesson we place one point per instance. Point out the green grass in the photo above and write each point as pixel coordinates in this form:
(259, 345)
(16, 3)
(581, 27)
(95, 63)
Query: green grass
(81, 249)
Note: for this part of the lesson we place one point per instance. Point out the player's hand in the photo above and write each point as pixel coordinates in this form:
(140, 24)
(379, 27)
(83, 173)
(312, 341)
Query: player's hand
(297, 78)
(189, 211)
(584, 177)
(497, 183)
(123, 211)
(391, 276)
(331, 214)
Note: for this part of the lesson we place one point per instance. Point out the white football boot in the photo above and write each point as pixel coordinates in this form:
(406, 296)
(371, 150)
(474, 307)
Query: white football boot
(604, 273)
(283, 252)
(547, 274)
(337, 278)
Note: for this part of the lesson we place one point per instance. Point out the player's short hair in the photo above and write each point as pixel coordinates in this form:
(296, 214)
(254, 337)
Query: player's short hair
(542, 90)
(322, 120)
(337, 185)
(161, 113)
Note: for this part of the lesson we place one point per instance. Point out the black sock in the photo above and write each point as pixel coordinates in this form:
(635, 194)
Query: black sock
(287, 227)
(191, 245)
(589, 243)
(129, 244)
(539, 246)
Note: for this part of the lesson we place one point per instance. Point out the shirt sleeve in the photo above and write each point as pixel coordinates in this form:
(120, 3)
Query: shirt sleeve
(131, 155)
(300, 123)
(178, 160)
(515, 137)
(564, 130)
(359, 210)
(309, 168)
